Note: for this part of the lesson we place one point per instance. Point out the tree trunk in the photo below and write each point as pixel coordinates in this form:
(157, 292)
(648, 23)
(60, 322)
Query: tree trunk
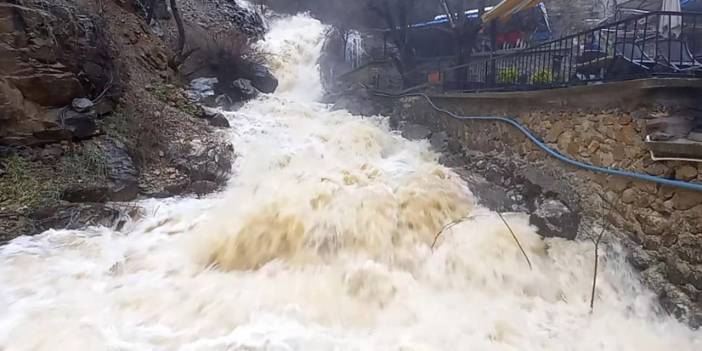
(150, 8)
(181, 29)
(398, 33)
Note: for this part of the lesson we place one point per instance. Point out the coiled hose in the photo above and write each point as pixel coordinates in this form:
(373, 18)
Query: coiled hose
(553, 153)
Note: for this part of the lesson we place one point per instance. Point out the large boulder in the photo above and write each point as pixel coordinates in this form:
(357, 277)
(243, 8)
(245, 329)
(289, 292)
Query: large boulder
(48, 87)
(243, 90)
(203, 160)
(555, 219)
(202, 89)
(120, 183)
(219, 120)
(63, 215)
(81, 125)
(263, 80)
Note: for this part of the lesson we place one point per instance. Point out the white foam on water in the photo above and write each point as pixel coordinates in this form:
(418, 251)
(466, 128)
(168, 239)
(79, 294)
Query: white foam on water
(322, 241)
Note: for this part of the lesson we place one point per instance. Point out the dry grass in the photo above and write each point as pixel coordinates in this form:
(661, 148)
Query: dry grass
(22, 186)
(30, 185)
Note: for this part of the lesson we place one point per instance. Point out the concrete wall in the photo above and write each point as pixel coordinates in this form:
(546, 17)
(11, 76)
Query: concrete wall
(605, 126)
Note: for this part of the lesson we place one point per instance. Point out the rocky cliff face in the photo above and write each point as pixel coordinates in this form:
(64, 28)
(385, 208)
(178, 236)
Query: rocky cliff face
(51, 53)
(91, 111)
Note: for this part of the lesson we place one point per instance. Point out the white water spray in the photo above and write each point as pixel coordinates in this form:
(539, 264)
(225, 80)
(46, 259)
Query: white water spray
(321, 242)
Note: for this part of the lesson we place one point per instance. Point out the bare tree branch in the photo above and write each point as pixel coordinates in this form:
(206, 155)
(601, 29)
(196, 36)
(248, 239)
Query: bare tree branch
(597, 241)
(180, 56)
(447, 227)
(514, 236)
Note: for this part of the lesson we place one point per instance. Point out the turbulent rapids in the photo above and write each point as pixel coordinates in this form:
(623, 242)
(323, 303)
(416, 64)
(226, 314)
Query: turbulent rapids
(322, 241)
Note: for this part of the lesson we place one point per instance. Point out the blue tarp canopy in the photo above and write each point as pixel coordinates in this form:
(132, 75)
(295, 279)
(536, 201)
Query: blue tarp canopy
(442, 19)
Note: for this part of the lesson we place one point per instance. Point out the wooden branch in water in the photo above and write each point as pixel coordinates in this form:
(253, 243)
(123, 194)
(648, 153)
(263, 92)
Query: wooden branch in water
(514, 236)
(447, 227)
(463, 219)
(597, 242)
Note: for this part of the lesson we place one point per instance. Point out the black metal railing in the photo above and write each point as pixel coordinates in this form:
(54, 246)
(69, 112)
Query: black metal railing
(650, 44)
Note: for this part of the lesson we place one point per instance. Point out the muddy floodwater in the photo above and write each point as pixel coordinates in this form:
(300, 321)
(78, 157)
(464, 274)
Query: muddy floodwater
(322, 241)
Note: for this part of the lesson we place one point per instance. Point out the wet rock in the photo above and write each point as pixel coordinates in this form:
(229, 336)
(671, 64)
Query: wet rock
(415, 132)
(263, 80)
(76, 216)
(200, 89)
(203, 187)
(219, 120)
(641, 259)
(228, 14)
(82, 105)
(439, 141)
(14, 224)
(494, 173)
(81, 125)
(78, 193)
(208, 113)
(203, 160)
(121, 183)
(178, 187)
(555, 219)
(121, 171)
(223, 101)
(243, 90)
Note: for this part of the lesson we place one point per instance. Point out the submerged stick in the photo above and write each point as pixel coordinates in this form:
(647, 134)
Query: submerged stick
(447, 227)
(594, 276)
(597, 242)
(516, 240)
(597, 263)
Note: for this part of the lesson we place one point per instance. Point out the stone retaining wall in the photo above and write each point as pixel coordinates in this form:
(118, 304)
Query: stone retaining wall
(603, 126)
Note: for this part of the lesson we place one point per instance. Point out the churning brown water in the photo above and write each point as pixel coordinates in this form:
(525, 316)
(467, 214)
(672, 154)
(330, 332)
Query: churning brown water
(322, 241)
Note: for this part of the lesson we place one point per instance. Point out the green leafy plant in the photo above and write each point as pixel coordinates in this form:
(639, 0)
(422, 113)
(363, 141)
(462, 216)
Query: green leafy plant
(509, 75)
(542, 77)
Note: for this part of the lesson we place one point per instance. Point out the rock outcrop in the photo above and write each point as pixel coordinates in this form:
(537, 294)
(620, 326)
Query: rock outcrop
(121, 175)
(92, 114)
(50, 53)
(262, 79)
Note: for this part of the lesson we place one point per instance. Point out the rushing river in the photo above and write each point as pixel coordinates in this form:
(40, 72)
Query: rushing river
(322, 241)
